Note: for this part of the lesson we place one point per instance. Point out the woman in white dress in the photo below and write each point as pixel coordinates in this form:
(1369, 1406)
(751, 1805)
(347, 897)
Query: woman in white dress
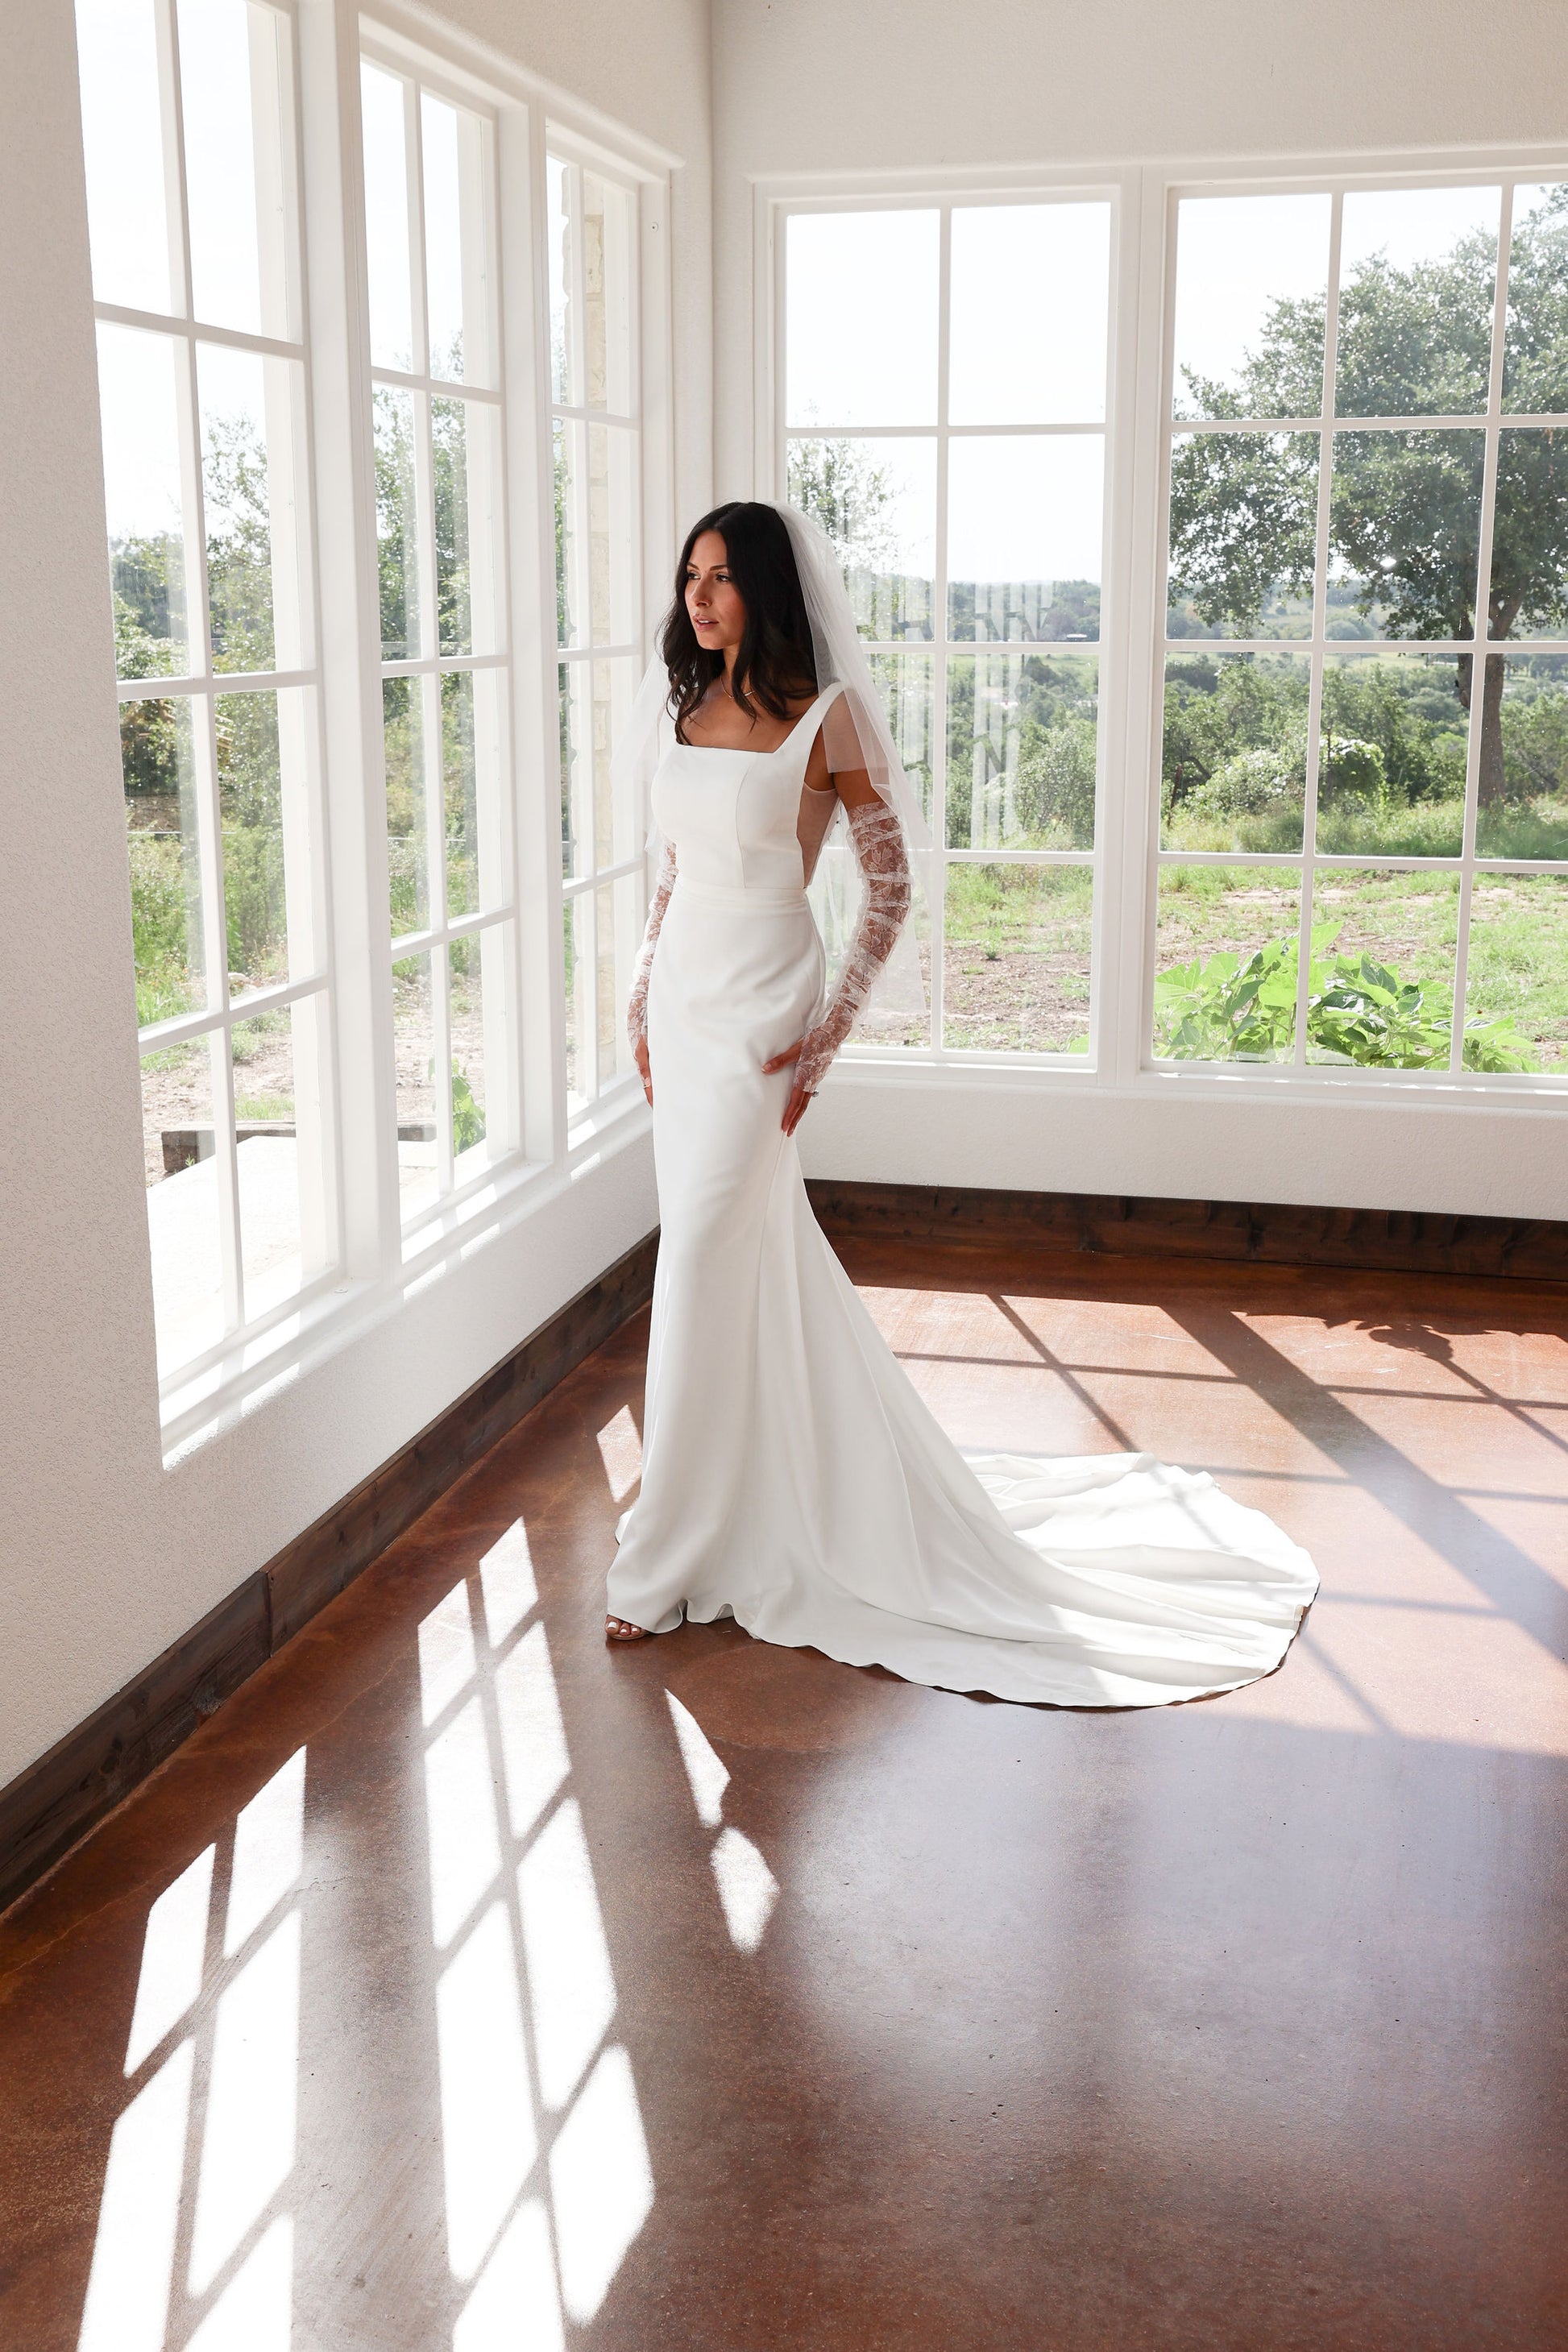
(792, 1477)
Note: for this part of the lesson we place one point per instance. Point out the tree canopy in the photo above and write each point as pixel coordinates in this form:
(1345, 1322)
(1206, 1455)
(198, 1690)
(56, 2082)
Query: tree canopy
(1404, 508)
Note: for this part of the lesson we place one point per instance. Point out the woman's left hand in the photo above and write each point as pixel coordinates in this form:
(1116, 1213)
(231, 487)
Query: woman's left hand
(794, 1109)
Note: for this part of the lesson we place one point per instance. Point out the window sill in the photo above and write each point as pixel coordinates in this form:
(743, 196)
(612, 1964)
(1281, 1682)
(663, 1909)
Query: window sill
(259, 1365)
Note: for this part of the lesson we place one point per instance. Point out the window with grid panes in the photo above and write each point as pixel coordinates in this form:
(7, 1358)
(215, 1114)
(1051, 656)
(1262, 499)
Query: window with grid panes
(438, 398)
(944, 418)
(188, 117)
(597, 468)
(1362, 855)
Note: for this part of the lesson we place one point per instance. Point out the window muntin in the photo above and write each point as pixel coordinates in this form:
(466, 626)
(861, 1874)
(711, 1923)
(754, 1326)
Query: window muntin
(188, 113)
(438, 400)
(596, 464)
(954, 452)
(1365, 497)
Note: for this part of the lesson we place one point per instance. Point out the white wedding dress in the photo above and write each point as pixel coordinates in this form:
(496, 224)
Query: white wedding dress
(792, 1477)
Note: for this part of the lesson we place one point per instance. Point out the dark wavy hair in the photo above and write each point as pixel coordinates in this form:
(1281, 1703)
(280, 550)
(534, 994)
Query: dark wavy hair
(774, 659)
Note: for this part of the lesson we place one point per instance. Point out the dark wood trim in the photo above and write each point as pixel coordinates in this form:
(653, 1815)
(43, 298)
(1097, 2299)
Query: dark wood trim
(1260, 1233)
(313, 1569)
(48, 1807)
(51, 1806)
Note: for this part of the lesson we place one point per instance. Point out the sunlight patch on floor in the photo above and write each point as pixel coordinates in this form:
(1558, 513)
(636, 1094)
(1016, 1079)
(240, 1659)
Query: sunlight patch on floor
(220, 2165)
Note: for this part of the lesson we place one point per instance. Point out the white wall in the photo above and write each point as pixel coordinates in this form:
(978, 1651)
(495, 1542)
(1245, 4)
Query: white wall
(924, 87)
(105, 1557)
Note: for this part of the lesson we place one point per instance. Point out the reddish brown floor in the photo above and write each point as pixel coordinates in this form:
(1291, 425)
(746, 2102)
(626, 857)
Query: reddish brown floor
(1231, 2026)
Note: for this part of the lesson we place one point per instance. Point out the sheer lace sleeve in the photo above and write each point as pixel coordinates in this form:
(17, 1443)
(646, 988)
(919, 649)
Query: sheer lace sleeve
(880, 852)
(636, 1003)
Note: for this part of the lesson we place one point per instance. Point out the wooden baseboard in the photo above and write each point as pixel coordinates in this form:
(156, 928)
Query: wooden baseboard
(1261, 1232)
(51, 1806)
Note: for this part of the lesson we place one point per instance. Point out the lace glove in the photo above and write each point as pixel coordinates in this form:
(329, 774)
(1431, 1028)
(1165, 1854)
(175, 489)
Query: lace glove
(636, 1003)
(880, 852)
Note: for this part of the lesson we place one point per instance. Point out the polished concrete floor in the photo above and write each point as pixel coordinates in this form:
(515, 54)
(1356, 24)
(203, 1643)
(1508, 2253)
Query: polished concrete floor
(466, 1983)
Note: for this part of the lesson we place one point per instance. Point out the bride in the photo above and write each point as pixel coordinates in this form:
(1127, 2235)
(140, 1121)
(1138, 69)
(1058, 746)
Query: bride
(792, 1477)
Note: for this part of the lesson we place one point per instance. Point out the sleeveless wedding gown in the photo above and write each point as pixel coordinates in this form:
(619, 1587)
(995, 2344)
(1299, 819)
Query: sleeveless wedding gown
(792, 1477)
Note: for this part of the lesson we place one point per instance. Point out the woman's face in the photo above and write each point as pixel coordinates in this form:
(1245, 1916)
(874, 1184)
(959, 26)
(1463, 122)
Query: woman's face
(714, 603)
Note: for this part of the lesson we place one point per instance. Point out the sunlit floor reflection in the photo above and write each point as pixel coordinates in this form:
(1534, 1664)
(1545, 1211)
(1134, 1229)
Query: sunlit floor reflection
(227, 2017)
(547, 2176)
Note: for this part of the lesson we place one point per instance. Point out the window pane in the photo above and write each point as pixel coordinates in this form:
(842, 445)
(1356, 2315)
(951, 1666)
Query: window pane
(1016, 968)
(1529, 595)
(1535, 349)
(467, 476)
(571, 548)
(1026, 527)
(247, 407)
(904, 680)
(267, 1159)
(470, 756)
(1021, 751)
(122, 133)
(618, 828)
(563, 373)
(139, 395)
(1516, 989)
(398, 526)
(231, 81)
(612, 534)
(414, 1045)
(608, 215)
(576, 768)
(619, 925)
(155, 752)
(862, 308)
(1233, 769)
(582, 1051)
(1252, 275)
(1381, 982)
(877, 502)
(1391, 756)
(1522, 795)
(1404, 527)
(1225, 967)
(1243, 520)
(383, 129)
(1418, 280)
(452, 144)
(449, 453)
(407, 842)
(251, 794)
(470, 1137)
(1030, 285)
(182, 1201)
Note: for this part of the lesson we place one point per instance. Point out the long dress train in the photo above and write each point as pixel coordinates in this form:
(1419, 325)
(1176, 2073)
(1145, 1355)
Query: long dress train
(792, 1477)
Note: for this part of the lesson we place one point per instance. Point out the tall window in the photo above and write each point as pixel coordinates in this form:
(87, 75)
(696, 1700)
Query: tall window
(597, 456)
(1362, 855)
(950, 436)
(188, 111)
(438, 395)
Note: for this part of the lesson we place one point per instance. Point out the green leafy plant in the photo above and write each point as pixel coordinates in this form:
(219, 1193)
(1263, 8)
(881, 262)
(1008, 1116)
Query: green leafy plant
(1227, 1007)
(467, 1119)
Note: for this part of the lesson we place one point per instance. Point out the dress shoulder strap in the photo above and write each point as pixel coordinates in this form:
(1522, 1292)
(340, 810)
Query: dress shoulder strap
(808, 725)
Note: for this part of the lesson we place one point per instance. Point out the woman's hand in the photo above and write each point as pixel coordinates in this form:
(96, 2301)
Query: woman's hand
(794, 1109)
(639, 1055)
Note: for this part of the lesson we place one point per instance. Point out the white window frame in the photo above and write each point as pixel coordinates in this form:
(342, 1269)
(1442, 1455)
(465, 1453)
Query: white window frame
(202, 685)
(1132, 644)
(376, 1263)
(1319, 649)
(593, 1101)
(776, 204)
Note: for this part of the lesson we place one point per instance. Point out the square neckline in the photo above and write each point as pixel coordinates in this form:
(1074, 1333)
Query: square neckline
(772, 753)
